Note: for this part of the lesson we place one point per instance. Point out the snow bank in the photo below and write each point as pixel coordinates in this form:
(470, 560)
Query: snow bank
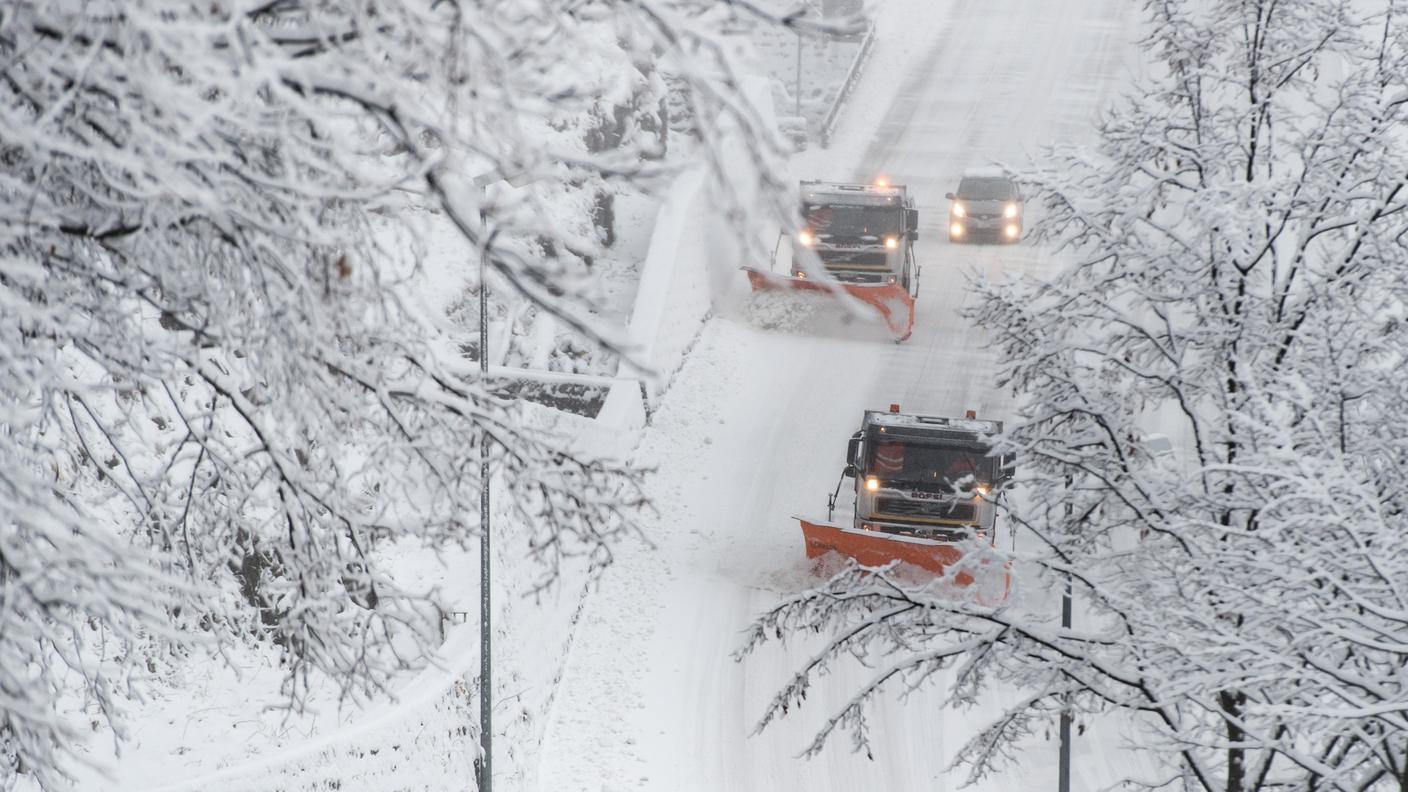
(694, 254)
(412, 743)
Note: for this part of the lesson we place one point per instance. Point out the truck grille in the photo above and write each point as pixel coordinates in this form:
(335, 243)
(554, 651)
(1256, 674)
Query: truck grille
(860, 277)
(956, 510)
(939, 533)
(853, 259)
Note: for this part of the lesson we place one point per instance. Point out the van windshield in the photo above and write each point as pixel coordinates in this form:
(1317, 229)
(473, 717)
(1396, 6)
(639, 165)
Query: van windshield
(986, 189)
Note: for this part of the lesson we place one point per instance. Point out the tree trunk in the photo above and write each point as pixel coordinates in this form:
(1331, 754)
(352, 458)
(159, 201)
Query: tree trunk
(1232, 702)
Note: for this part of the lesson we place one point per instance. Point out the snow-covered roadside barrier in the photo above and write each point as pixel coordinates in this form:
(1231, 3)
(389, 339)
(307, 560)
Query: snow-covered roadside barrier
(674, 293)
(694, 255)
(833, 114)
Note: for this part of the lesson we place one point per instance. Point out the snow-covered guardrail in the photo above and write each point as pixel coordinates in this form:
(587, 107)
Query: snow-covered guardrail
(833, 113)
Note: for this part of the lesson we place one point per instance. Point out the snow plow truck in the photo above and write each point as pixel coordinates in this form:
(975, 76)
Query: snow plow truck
(924, 487)
(856, 238)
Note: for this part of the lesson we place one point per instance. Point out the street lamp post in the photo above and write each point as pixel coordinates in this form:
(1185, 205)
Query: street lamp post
(1063, 774)
(516, 177)
(486, 715)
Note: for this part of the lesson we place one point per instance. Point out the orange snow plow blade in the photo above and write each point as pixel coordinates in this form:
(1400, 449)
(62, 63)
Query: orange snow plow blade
(893, 301)
(876, 549)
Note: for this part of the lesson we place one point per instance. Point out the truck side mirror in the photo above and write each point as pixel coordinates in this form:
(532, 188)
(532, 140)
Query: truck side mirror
(950, 196)
(911, 219)
(913, 234)
(849, 471)
(1006, 468)
(852, 453)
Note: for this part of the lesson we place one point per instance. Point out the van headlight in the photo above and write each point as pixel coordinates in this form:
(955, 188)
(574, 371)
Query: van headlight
(1010, 210)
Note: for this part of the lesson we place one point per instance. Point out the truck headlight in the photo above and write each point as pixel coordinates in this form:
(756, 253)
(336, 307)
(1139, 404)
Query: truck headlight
(871, 484)
(1010, 210)
(805, 238)
(956, 229)
(959, 211)
(891, 243)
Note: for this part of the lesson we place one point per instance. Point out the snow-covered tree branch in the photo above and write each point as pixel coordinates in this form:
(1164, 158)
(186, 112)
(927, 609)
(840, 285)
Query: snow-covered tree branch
(1238, 283)
(220, 390)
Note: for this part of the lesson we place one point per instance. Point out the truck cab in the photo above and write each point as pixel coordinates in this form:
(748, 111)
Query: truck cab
(926, 476)
(862, 233)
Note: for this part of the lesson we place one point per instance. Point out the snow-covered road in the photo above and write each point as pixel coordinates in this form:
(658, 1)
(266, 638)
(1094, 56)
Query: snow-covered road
(754, 428)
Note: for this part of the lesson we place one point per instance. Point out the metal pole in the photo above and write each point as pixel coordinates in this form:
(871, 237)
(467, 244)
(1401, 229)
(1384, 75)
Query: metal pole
(1063, 783)
(797, 83)
(486, 688)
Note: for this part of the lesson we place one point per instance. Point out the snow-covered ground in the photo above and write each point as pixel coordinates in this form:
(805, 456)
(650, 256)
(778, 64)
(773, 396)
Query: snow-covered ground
(753, 429)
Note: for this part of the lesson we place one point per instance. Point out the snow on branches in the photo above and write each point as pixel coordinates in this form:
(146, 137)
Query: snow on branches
(220, 392)
(1239, 282)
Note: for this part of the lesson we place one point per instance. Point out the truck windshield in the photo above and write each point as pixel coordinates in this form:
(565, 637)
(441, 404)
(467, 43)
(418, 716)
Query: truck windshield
(852, 222)
(932, 467)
